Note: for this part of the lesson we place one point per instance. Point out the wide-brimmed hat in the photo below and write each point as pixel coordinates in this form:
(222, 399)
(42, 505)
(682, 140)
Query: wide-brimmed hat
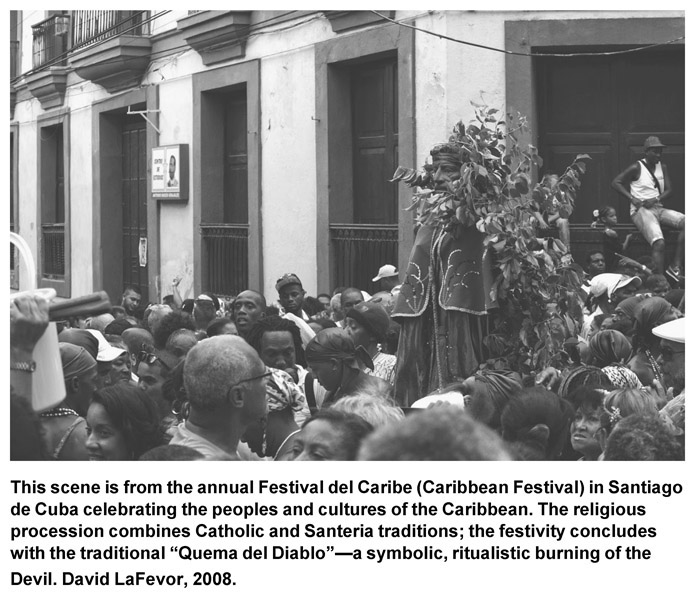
(674, 330)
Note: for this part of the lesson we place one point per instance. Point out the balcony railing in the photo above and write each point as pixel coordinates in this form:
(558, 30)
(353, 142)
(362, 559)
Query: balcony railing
(14, 56)
(90, 26)
(225, 255)
(50, 41)
(359, 251)
(53, 251)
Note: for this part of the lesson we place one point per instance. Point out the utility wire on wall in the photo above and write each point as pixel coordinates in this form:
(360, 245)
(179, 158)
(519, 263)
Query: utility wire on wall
(402, 23)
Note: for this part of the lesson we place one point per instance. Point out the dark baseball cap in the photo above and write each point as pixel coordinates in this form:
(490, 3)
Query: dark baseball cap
(287, 279)
(372, 316)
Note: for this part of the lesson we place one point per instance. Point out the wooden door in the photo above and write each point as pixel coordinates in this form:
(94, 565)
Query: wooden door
(374, 135)
(606, 106)
(134, 204)
(236, 158)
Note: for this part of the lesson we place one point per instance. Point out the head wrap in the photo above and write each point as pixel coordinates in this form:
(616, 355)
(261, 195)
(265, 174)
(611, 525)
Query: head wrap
(628, 305)
(501, 385)
(610, 347)
(283, 393)
(622, 377)
(649, 313)
(587, 376)
(675, 296)
(447, 152)
(335, 344)
(76, 361)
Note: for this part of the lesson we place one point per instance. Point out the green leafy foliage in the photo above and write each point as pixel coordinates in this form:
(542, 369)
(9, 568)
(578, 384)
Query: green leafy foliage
(536, 283)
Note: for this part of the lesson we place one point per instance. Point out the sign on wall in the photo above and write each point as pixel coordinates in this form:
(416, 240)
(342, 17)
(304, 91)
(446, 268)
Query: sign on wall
(170, 168)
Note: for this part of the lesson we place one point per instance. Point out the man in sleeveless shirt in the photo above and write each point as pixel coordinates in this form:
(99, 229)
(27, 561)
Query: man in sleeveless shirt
(646, 185)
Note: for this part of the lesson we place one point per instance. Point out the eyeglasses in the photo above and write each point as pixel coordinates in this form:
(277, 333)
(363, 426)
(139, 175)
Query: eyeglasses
(265, 374)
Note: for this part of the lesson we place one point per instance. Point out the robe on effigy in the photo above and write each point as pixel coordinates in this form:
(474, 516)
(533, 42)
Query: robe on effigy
(452, 275)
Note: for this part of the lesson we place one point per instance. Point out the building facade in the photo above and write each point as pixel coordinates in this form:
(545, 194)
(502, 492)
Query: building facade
(285, 127)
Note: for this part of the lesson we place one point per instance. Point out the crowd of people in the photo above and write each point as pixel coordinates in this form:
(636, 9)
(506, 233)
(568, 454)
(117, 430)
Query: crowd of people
(308, 378)
(402, 374)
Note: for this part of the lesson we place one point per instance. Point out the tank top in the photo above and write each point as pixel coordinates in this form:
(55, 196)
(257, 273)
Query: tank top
(644, 188)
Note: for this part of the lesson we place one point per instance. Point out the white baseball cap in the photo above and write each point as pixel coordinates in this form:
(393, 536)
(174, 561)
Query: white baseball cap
(387, 270)
(107, 353)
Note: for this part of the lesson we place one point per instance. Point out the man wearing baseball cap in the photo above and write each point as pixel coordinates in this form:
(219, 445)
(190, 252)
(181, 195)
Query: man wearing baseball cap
(291, 294)
(646, 184)
(388, 277)
(367, 324)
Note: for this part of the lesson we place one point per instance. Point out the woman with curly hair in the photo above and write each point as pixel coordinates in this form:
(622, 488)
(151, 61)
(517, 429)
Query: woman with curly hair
(642, 437)
(122, 424)
(622, 403)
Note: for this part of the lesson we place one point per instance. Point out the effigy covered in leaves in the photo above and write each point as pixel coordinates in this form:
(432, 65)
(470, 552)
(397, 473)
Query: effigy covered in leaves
(480, 288)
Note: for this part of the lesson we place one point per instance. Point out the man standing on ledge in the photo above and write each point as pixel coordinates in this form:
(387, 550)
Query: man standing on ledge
(646, 184)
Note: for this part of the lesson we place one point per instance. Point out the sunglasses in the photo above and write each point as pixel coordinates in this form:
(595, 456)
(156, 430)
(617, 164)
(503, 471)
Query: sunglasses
(146, 357)
(149, 358)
